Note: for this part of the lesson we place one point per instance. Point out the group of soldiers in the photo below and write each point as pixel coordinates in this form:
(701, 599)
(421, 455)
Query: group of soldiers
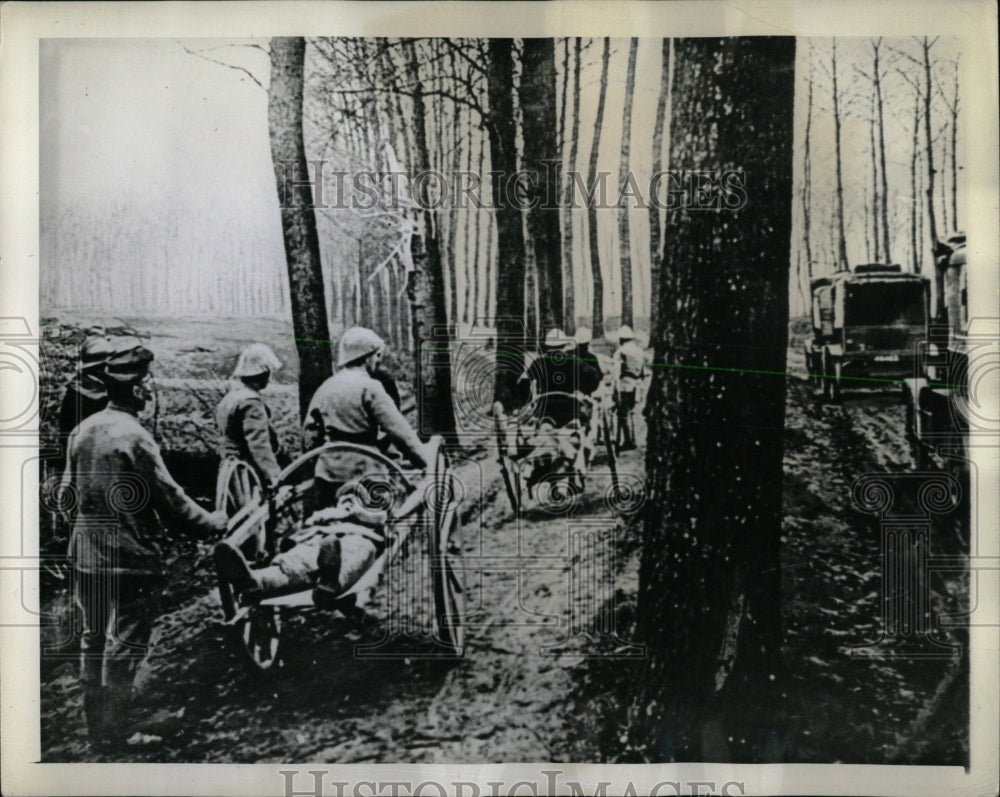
(566, 366)
(127, 503)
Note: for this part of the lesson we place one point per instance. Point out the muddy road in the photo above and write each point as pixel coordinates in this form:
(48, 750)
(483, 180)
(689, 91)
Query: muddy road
(545, 591)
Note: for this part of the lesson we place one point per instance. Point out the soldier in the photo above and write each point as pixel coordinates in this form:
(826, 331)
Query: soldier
(124, 494)
(245, 430)
(589, 374)
(85, 394)
(343, 536)
(553, 371)
(629, 369)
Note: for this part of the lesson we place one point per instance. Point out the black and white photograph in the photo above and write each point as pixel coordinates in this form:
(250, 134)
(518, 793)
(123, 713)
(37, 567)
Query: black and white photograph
(414, 388)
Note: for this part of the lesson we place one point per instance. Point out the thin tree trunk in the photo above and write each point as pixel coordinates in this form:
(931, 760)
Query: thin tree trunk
(538, 109)
(597, 322)
(569, 291)
(915, 260)
(841, 235)
(954, 149)
(807, 175)
(624, 232)
(298, 221)
(929, 155)
(427, 291)
(880, 110)
(873, 215)
(509, 294)
(655, 229)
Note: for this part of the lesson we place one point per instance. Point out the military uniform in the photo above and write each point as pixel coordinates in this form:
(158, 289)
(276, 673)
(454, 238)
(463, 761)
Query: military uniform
(84, 396)
(123, 495)
(629, 362)
(352, 407)
(245, 432)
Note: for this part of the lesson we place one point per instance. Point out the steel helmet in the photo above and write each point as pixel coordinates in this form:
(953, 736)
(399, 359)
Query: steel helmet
(95, 351)
(583, 335)
(128, 362)
(257, 359)
(625, 332)
(357, 343)
(556, 339)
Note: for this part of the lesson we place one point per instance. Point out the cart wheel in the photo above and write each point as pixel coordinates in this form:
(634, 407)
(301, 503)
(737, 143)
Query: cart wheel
(447, 574)
(238, 485)
(260, 635)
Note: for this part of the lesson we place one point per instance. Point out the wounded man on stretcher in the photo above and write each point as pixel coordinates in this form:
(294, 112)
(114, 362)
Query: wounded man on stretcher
(331, 551)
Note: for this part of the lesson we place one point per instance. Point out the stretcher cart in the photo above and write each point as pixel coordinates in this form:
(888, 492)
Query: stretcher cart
(564, 471)
(412, 500)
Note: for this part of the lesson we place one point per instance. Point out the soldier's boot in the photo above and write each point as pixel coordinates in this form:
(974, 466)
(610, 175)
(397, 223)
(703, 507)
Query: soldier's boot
(266, 580)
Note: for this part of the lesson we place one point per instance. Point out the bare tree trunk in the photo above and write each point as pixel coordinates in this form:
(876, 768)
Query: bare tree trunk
(929, 155)
(807, 175)
(597, 323)
(624, 232)
(298, 222)
(510, 233)
(655, 230)
(538, 108)
(872, 216)
(841, 235)
(569, 288)
(711, 619)
(953, 110)
(880, 112)
(914, 152)
(427, 292)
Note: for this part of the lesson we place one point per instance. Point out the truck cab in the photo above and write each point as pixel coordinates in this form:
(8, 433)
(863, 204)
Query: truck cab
(867, 323)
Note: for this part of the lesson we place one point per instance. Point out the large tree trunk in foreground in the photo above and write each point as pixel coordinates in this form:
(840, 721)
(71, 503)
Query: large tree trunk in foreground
(655, 229)
(298, 222)
(709, 591)
(509, 274)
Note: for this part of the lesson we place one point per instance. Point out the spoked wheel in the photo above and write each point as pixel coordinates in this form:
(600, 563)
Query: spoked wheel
(447, 573)
(260, 634)
(237, 486)
(255, 629)
(511, 475)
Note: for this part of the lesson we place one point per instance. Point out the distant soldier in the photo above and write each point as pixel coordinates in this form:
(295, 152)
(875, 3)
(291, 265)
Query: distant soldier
(244, 419)
(124, 494)
(85, 394)
(629, 363)
(341, 538)
(589, 374)
(553, 371)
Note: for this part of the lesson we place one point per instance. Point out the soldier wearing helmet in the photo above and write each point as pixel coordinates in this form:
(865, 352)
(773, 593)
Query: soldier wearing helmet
(629, 362)
(123, 495)
(353, 406)
(85, 393)
(555, 370)
(244, 419)
(342, 535)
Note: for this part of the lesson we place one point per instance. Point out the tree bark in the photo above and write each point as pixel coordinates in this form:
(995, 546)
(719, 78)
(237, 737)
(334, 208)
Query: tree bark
(709, 589)
(538, 109)
(298, 221)
(929, 155)
(841, 235)
(624, 231)
(880, 111)
(569, 276)
(655, 229)
(597, 322)
(509, 280)
(427, 291)
(807, 176)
